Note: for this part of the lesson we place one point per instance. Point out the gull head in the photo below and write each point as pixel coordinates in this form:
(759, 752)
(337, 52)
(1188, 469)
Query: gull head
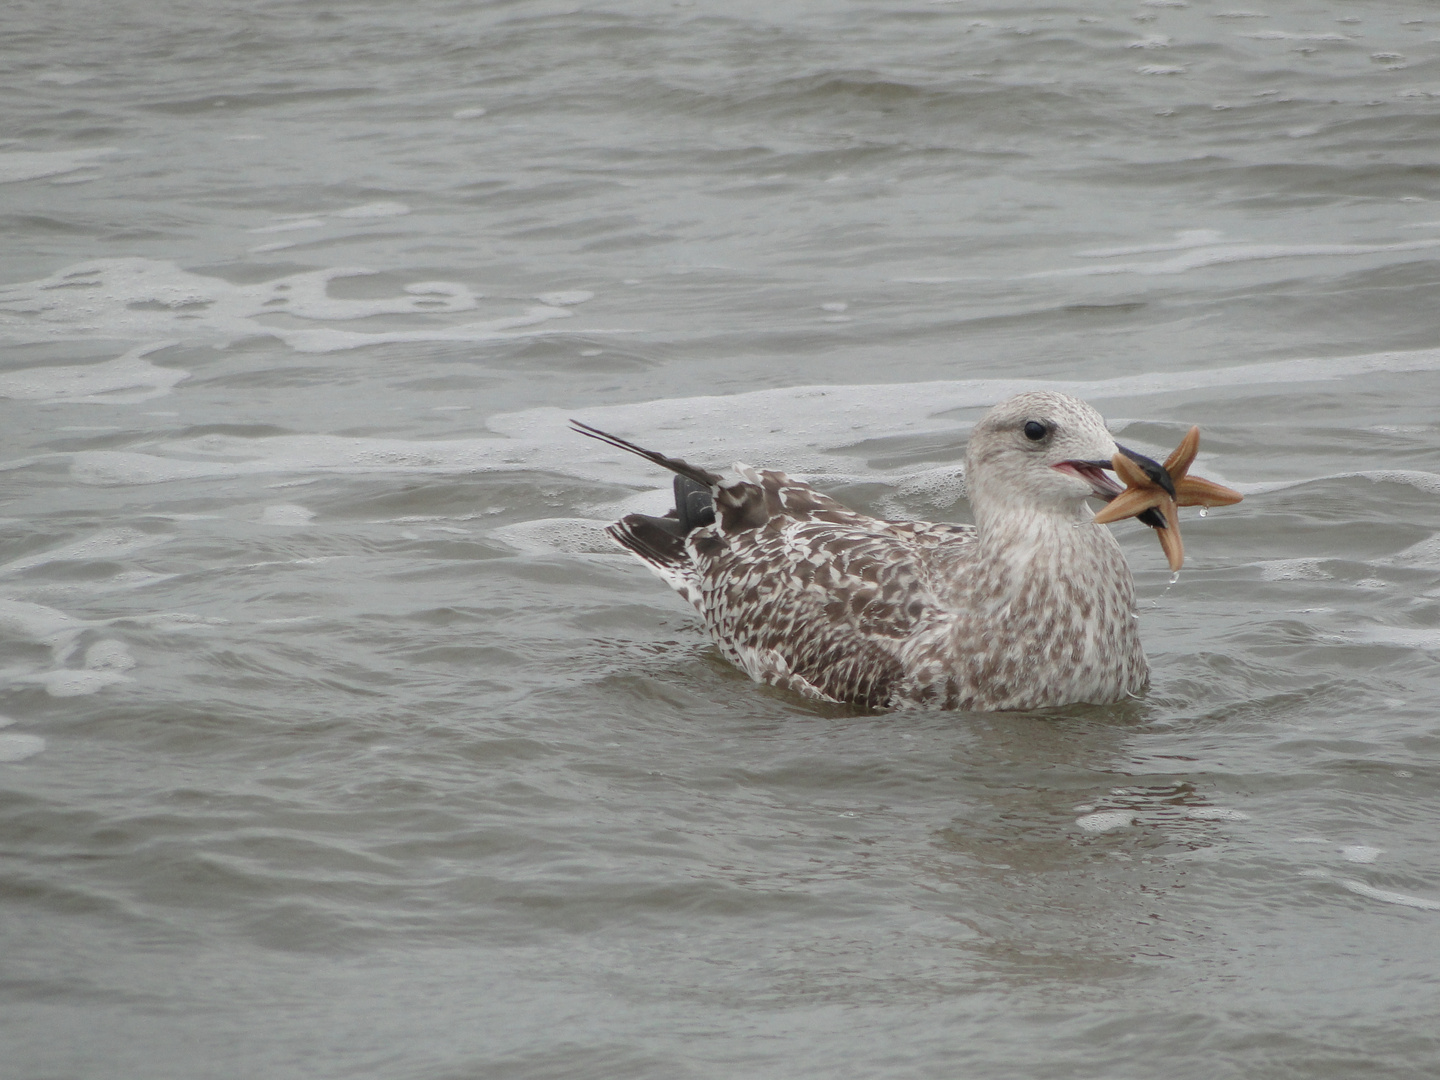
(1043, 452)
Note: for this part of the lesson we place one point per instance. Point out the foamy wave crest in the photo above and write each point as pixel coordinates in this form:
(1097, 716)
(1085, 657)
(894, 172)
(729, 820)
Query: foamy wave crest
(816, 432)
(147, 299)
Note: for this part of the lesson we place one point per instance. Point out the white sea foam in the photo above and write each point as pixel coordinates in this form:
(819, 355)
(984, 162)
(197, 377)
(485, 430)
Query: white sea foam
(146, 299)
(221, 456)
(72, 682)
(326, 341)
(286, 514)
(1293, 570)
(1388, 897)
(106, 544)
(1361, 853)
(109, 655)
(1105, 821)
(127, 379)
(1287, 35)
(943, 486)
(1216, 813)
(1425, 553)
(1427, 482)
(105, 660)
(805, 430)
(1410, 637)
(575, 536)
(565, 298)
(17, 746)
(41, 625)
(374, 210)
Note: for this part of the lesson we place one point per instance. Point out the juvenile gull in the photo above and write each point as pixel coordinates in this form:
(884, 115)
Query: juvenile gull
(1032, 606)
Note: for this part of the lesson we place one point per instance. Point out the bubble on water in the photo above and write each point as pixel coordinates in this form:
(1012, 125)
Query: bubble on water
(1105, 821)
(1292, 570)
(71, 683)
(1216, 813)
(574, 536)
(286, 514)
(566, 298)
(942, 487)
(1204, 511)
(108, 655)
(1361, 853)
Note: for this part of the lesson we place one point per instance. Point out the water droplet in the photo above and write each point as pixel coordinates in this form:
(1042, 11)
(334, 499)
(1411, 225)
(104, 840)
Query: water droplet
(1204, 511)
(1174, 577)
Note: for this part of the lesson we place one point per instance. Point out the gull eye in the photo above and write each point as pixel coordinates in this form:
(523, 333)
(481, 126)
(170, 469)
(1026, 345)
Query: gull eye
(1035, 431)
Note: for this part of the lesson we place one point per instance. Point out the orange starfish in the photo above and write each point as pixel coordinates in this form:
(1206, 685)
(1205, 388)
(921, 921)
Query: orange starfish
(1144, 492)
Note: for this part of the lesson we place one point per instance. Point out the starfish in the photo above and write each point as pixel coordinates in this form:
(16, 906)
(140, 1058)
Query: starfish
(1164, 491)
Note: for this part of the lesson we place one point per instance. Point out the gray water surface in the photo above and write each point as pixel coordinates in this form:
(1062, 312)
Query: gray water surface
(339, 743)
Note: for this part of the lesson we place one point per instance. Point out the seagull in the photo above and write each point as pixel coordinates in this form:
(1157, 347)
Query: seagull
(1031, 607)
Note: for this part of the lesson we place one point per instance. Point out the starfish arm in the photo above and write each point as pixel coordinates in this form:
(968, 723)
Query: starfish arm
(1183, 456)
(1131, 473)
(1170, 541)
(1197, 491)
(1129, 503)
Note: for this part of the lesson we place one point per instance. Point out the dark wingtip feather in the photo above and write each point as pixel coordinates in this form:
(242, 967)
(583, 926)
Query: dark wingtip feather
(675, 465)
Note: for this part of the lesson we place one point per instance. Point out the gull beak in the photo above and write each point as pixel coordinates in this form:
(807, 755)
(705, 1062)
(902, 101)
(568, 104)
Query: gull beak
(1102, 487)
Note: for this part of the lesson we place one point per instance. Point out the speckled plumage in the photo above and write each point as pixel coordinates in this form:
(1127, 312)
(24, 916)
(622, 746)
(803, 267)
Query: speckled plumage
(1033, 606)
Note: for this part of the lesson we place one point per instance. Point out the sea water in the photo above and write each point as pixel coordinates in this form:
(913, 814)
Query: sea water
(336, 740)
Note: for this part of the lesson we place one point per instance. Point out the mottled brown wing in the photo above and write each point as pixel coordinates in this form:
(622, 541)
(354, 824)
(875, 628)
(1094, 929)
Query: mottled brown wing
(820, 593)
